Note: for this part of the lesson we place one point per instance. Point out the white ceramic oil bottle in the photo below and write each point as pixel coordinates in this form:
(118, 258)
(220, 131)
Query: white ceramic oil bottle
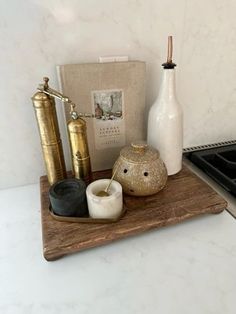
(165, 120)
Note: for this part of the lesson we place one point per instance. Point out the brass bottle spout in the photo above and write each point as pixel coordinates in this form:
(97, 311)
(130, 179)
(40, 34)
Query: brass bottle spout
(170, 49)
(169, 64)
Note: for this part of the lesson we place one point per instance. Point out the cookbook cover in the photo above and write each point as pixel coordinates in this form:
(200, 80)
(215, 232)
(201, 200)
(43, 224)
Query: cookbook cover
(115, 93)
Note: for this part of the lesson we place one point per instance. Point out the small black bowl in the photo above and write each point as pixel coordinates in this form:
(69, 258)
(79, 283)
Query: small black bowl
(68, 198)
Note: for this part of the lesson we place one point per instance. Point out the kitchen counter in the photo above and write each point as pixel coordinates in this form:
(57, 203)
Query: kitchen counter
(186, 268)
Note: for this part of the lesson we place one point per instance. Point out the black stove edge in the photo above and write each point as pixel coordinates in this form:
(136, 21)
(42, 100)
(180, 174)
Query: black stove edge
(200, 173)
(208, 146)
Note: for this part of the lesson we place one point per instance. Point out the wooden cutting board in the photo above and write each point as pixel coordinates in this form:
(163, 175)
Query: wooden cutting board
(185, 196)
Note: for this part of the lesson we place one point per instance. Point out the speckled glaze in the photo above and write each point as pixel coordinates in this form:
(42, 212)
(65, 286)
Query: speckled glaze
(141, 171)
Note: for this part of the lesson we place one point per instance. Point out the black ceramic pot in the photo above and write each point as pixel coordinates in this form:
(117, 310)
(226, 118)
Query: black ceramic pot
(68, 198)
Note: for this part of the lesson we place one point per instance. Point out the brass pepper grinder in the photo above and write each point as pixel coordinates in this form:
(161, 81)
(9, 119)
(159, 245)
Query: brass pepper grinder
(77, 136)
(46, 116)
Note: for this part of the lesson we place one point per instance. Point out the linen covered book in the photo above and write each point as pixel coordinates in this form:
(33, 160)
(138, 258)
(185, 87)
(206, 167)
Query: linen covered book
(115, 93)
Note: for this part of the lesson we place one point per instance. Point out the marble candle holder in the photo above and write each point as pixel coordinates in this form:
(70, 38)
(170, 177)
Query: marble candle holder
(108, 206)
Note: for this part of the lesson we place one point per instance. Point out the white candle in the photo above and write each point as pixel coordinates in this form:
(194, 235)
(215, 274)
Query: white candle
(108, 206)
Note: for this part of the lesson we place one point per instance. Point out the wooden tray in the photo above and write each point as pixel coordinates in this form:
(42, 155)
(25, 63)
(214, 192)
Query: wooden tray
(185, 196)
(86, 219)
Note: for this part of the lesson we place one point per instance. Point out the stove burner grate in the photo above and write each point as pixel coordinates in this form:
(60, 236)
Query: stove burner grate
(218, 161)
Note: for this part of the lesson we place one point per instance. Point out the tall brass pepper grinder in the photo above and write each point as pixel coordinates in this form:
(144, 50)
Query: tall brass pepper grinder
(46, 116)
(77, 136)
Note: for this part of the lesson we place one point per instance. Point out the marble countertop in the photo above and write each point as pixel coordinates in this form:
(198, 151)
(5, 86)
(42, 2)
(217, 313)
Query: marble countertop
(186, 268)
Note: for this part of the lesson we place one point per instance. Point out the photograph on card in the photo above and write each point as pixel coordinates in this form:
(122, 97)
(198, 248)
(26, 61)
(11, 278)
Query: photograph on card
(108, 104)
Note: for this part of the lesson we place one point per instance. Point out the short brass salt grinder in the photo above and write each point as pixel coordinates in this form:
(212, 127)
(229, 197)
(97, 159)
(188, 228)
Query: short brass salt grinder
(77, 131)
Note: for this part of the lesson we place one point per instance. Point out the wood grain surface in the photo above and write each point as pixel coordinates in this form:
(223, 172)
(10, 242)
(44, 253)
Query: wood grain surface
(184, 196)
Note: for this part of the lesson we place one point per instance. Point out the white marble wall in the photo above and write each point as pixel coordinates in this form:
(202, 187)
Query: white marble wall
(37, 35)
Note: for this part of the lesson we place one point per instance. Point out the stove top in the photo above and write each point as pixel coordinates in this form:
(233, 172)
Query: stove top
(217, 161)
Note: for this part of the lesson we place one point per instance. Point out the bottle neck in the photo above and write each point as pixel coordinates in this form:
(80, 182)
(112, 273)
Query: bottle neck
(167, 89)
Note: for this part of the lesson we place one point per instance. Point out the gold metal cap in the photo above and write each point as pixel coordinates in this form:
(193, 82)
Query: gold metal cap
(78, 125)
(40, 96)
